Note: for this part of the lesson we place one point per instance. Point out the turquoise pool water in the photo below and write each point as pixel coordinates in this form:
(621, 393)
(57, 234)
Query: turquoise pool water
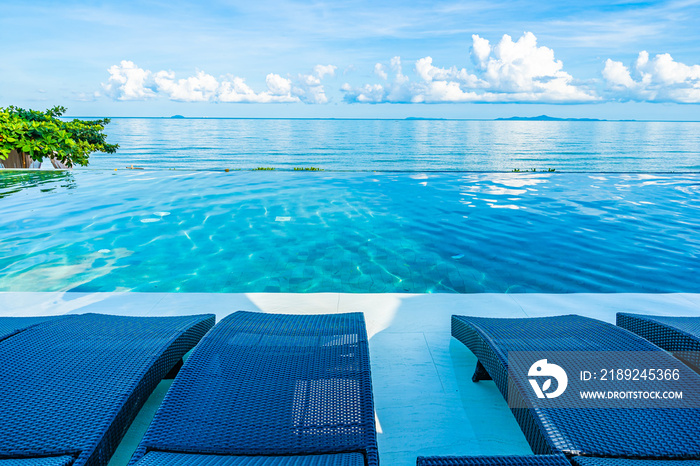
(185, 231)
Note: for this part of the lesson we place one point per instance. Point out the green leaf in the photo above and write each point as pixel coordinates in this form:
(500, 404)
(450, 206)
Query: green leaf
(43, 133)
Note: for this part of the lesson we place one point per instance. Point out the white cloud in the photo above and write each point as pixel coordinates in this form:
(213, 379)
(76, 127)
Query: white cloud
(661, 79)
(617, 75)
(396, 67)
(511, 71)
(481, 49)
(428, 73)
(199, 88)
(234, 89)
(446, 91)
(308, 87)
(277, 85)
(369, 93)
(528, 72)
(129, 82)
(322, 70)
(380, 71)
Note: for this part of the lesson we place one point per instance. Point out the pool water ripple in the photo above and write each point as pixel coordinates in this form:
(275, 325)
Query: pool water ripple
(348, 232)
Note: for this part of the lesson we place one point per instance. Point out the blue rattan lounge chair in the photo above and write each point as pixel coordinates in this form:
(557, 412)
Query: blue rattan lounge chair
(269, 389)
(678, 335)
(530, 460)
(12, 325)
(70, 387)
(632, 433)
(544, 460)
(589, 461)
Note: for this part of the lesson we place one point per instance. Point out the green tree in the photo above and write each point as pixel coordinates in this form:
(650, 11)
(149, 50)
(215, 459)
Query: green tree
(43, 135)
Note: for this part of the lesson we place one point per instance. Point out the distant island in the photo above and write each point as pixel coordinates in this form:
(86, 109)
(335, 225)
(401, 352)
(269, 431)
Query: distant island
(177, 116)
(546, 118)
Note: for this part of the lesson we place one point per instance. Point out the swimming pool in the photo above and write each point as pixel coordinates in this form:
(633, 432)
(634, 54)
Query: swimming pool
(190, 231)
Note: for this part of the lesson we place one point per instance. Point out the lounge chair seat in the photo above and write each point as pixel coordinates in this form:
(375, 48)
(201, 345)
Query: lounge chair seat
(47, 461)
(677, 335)
(591, 431)
(278, 389)
(72, 386)
(12, 325)
(157, 458)
(524, 460)
(545, 460)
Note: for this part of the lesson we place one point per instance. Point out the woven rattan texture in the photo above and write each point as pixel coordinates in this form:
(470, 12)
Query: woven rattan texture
(271, 384)
(679, 335)
(12, 325)
(48, 461)
(589, 461)
(73, 386)
(530, 460)
(635, 433)
(157, 458)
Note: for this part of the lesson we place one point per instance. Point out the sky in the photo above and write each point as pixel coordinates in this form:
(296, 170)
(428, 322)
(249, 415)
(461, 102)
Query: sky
(353, 59)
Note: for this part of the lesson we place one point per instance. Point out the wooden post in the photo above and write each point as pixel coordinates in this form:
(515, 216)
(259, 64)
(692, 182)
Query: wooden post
(22, 160)
(17, 160)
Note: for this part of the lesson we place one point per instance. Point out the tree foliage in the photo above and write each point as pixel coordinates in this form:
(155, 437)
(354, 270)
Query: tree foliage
(44, 135)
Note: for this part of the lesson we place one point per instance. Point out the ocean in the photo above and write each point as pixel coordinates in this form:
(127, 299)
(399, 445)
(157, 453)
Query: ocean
(403, 145)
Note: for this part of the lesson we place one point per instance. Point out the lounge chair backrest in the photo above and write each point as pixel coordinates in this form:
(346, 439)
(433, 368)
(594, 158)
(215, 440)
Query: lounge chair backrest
(71, 387)
(10, 326)
(678, 335)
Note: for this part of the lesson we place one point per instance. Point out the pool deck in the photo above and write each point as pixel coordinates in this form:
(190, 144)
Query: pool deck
(425, 401)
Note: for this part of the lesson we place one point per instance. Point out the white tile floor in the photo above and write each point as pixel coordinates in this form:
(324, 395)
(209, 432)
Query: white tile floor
(425, 401)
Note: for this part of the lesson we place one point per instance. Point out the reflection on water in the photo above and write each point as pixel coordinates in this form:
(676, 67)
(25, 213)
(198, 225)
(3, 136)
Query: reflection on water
(49, 180)
(187, 231)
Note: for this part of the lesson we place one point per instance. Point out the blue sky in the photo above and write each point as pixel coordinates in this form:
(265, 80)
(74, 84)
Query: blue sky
(366, 59)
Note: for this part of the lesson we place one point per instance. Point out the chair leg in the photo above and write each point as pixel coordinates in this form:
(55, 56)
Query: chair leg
(480, 373)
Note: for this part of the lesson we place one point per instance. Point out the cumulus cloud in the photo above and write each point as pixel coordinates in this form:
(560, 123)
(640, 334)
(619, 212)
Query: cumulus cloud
(369, 93)
(234, 89)
(428, 73)
(308, 87)
(660, 79)
(380, 71)
(199, 88)
(129, 82)
(519, 71)
(324, 70)
(507, 71)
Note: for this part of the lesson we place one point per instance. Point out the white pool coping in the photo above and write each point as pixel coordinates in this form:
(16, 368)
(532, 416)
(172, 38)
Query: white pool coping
(425, 401)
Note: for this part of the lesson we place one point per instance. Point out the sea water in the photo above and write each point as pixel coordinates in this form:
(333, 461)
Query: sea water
(595, 146)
